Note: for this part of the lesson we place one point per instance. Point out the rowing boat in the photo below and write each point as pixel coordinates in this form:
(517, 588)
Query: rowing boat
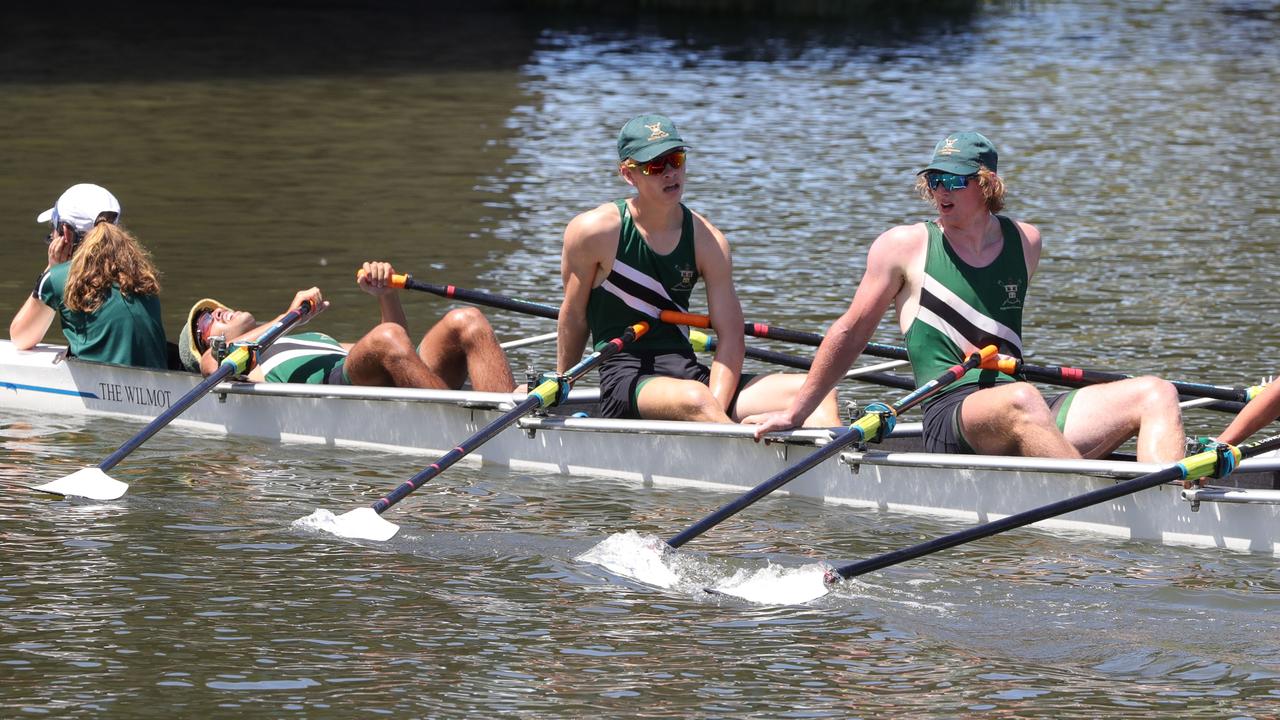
(895, 476)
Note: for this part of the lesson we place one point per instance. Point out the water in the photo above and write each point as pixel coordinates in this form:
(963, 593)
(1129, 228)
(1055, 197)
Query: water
(259, 151)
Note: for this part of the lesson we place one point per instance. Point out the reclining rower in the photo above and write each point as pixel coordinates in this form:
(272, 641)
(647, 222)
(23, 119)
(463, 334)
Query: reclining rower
(459, 346)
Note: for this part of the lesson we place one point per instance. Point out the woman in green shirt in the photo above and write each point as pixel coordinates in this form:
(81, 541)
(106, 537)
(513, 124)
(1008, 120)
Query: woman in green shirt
(100, 282)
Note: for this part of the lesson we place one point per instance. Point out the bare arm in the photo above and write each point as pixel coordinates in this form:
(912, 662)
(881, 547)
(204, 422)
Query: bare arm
(376, 280)
(845, 340)
(580, 260)
(1260, 411)
(33, 319)
(1031, 246)
(30, 323)
(724, 310)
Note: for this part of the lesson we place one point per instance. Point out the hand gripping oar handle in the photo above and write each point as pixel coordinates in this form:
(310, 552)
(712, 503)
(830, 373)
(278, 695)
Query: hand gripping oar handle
(1078, 376)
(546, 394)
(877, 421)
(238, 362)
(1192, 467)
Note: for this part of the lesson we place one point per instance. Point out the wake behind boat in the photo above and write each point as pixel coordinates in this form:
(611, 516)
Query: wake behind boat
(893, 476)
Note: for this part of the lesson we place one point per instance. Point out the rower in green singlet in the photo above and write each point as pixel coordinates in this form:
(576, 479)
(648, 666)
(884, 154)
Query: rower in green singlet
(959, 283)
(628, 260)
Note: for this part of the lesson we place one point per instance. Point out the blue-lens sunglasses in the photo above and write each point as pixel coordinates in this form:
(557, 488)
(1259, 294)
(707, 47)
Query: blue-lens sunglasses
(948, 180)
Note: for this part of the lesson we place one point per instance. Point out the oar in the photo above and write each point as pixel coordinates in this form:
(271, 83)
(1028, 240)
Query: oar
(704, 343)
(94, 482)
(1076, 377)
(878, 420)
(1060, 375)
(1190, 468)
(368, 524)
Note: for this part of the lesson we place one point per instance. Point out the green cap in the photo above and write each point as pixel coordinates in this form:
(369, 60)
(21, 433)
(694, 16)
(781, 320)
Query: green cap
(645, 137)
(962, 154)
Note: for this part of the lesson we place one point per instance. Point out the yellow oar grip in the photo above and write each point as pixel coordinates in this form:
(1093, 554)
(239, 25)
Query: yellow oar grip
(240, 357)
(1203, 464)
(700, 341)
(869, 424)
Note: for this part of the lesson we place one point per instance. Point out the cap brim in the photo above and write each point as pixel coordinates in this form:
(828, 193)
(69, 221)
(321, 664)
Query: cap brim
(45, 216)
(955, 168)
(657, 149)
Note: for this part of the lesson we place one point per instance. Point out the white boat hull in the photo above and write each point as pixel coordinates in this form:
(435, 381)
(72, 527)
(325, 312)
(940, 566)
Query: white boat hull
(965, 488)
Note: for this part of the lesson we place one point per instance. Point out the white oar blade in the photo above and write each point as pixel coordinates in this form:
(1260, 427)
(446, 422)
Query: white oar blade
(362, 524)
(91, 483)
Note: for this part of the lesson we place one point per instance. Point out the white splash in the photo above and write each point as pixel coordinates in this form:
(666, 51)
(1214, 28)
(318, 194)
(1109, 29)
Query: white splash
(633, 555)
(777, 585)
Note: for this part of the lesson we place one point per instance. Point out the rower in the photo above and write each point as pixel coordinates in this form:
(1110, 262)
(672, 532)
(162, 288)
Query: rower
(959, 283)
(459, 346)
(626, 261)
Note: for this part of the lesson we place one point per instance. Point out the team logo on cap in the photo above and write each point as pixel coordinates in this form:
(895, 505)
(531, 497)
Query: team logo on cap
(656, 132)
(948, 147)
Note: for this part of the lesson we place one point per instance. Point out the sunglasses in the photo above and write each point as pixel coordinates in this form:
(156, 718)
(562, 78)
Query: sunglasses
(948, 180)
(659, 164)
(203, 322)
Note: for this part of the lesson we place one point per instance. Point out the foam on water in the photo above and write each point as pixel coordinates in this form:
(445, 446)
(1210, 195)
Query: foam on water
(630, 554)
(650, 560)
(776, 584)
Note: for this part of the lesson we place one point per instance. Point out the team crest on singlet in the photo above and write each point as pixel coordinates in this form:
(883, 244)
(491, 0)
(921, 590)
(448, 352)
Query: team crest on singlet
(687, 279)
(1010, 288)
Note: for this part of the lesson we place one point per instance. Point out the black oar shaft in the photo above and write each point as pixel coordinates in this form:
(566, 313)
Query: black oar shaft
(1071, 377)
(236, 363)
(1077, 377)
(542, 396)
(1176, 472)
(483, 298)
(866, 426)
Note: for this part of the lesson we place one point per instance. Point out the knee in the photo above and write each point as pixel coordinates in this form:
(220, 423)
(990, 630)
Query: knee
(388, 337)
(466, 324)
(1025, 403)
(694, 400)
(1157, 393)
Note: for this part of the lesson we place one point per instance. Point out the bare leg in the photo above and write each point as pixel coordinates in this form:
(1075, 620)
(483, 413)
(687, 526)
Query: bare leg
(1013, 419)
(1103, 417)
(666, 398)
(461, 345)
(385, 357)
(766, 393)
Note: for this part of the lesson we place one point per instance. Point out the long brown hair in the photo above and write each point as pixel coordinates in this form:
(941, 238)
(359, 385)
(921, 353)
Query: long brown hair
(109, 255)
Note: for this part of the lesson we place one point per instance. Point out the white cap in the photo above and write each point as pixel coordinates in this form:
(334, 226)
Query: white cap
(80, 206)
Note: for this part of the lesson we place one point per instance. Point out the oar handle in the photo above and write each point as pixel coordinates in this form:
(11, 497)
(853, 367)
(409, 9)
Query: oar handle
(1079, 376)
(478, 297)
(236, 363)
(1192, 467)
(544, 395)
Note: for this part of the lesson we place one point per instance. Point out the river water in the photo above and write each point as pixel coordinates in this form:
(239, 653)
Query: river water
(258, 151)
